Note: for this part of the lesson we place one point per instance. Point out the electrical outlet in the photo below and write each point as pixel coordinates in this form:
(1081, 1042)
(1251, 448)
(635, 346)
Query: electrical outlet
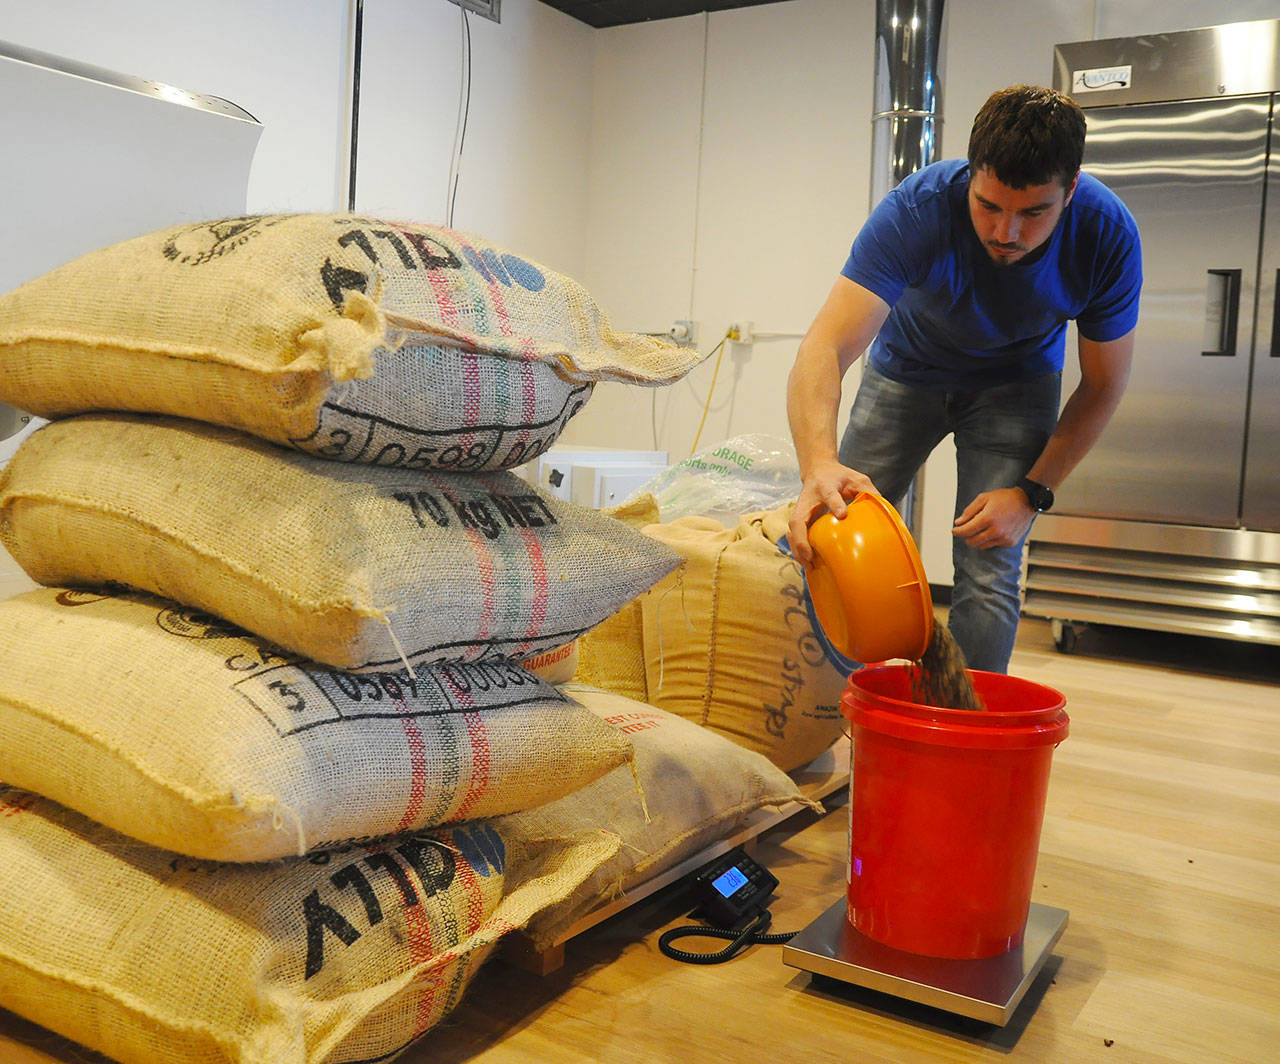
(685, 333)
(742, 332)
(490, 9)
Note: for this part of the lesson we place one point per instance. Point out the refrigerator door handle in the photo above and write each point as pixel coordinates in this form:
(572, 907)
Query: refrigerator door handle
(1275, 318)
(1222, 312)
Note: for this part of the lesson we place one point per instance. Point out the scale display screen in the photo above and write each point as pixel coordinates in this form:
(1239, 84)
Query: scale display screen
(732, 887)
(730, 882)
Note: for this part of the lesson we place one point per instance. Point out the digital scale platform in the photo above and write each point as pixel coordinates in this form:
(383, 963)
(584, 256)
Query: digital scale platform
(988, 989)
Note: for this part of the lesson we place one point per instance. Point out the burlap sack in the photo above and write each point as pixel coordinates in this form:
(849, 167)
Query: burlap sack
(363, 569)
(344, 957)
(729, 645)
(611, 655)
(355, 339)
(178, 730)
(555, 666)
(698, 788)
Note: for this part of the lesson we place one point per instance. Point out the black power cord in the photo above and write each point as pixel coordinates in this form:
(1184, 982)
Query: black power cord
(752, 934)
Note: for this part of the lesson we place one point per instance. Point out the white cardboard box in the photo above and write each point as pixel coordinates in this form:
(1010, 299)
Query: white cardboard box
(554, 469)
(598, 484)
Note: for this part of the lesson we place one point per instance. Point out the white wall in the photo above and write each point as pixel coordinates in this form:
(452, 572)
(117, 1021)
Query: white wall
(288, 62)
(730, 166)
(523, 178)
(646, 129)
(285, 62)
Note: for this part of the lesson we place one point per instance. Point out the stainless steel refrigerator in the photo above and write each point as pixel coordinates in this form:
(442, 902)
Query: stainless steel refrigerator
(1172, 522)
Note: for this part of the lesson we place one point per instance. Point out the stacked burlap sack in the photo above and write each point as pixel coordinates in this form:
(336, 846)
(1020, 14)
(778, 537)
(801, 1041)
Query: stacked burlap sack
(726, 641)
(265, 737)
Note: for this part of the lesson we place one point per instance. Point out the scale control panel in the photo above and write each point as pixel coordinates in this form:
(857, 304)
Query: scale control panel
(733, 888)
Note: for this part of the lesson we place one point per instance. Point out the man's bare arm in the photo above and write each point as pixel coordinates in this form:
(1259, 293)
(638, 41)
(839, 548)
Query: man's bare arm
(1001, 518)
(842, 330)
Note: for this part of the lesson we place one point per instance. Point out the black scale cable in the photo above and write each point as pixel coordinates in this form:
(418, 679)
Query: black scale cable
(752, 934)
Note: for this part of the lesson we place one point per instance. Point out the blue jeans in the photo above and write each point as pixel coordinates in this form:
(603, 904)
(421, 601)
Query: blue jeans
(999, 433)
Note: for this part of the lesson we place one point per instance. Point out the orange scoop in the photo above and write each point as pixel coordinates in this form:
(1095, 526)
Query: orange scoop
(868, 585)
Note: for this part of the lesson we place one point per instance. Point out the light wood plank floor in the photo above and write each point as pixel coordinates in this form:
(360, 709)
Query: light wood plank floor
(1161, 838)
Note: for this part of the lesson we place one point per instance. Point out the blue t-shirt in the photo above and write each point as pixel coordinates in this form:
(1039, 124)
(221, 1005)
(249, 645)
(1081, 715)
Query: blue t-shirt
(960, 321)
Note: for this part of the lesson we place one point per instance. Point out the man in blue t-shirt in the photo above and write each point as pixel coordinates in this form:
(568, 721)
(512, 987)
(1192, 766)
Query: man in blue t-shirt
(961, 284)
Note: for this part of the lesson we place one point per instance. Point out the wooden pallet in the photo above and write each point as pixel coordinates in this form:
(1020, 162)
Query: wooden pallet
(820, 778)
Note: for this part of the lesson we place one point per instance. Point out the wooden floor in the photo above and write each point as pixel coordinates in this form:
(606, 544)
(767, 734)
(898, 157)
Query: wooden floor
(1161, 839)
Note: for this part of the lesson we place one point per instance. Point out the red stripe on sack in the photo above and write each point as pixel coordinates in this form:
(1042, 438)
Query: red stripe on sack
(488, 585)
(21, 802)
(421, 952)
(470, 371)
(481, 752)
(474, 898)
(483, 561)
(528, 394)
(500, 308)
(481, 761)
(472, 393)
(496, 300)
(444, 301)
(417, 766)
(537, 576)
(420, 945)
(471, 386)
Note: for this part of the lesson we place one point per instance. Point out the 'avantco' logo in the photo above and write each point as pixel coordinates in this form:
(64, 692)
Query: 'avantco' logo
(212, 240)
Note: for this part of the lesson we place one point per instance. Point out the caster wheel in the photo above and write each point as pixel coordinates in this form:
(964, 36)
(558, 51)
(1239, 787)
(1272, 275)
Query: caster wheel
(1066, 636)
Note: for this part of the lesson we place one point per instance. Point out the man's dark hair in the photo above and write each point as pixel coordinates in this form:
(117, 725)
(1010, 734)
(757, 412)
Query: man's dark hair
(1028, 135)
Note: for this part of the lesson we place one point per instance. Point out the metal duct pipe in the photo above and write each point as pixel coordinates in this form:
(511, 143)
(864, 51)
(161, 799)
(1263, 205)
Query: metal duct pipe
(906, 121)
(906, 114)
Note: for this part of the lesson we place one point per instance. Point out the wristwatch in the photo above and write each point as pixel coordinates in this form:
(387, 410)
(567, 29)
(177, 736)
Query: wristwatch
(1040, 497)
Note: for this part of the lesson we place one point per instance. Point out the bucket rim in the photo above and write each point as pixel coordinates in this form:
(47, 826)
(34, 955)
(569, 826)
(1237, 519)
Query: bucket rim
(1043, 724)
(1049, 698)
(1047, 733)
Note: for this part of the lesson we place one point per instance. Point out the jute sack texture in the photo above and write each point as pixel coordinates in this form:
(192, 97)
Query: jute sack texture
(174, 728)
(611, 655)
(728, 642)
(698, 788)
(555, 666)
(353, 338)
(359, 568)
(346, 956)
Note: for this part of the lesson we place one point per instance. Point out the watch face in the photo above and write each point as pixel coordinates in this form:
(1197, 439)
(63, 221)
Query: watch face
(1040, 497)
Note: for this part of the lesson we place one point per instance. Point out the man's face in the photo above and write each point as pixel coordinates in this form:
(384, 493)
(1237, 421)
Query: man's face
(1013, 222)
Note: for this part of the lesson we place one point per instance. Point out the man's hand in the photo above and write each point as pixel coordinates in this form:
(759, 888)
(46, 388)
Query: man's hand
(847, 322)
(997, 518)
(826, 488)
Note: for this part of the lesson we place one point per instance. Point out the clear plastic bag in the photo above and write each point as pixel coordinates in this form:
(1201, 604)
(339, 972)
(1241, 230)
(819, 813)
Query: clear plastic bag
(738, 476)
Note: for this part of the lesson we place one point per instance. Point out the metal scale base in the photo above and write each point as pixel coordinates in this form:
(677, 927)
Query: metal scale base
(988, 989)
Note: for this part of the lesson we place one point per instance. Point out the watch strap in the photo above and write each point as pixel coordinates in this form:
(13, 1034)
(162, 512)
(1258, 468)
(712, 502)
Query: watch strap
(1038, 495)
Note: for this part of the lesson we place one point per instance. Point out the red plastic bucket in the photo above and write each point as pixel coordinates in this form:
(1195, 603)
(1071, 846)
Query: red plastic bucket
(945, 811)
